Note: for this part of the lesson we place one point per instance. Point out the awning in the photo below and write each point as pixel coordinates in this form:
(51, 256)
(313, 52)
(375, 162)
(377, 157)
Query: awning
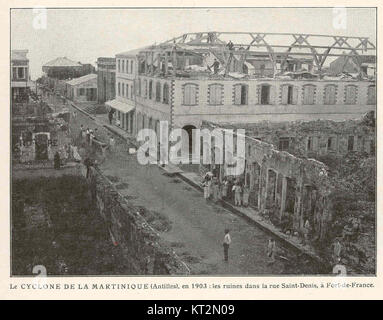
(120, 106)
(21, 84)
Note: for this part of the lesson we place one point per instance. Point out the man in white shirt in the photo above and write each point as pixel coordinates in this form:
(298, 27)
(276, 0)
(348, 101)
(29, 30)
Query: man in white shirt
(226, 244)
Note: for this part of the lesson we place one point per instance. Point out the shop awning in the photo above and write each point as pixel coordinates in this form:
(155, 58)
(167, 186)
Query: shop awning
(120, 106)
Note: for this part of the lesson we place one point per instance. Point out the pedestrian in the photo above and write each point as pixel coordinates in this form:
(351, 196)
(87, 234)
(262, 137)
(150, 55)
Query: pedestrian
(74, 114)
(91, 137)
(57, 161)
(337, 250)
(224, 189)
(226, 244)
(81, 131)
(110, 116)
(87, 133)
(111, 144)
(246, 193)
(271, 250)
(206, 189)
(237, 194)
(88, 164)
(215, 189)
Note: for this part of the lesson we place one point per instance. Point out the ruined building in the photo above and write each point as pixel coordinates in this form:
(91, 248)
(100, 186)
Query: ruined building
(241, 77)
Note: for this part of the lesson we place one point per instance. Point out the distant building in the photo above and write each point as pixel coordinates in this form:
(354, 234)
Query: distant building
(350, 65)
(62, 68)
(20, 83)
(83, 89)
(124, 102)
(106, 79)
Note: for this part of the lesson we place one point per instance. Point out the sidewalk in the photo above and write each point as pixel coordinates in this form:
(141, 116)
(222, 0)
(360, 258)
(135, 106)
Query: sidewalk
(194, 180)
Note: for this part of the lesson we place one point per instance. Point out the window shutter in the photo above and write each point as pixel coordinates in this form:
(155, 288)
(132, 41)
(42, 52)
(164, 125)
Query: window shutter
(237, 94)
(315, 143)
(273, 92)
(192, 95)
(295, 95)
(285, 90)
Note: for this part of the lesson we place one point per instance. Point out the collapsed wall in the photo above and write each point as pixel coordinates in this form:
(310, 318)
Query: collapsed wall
(139, 242)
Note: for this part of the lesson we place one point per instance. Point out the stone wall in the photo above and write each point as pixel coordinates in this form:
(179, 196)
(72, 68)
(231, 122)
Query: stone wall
(128, 229)
(285, 187)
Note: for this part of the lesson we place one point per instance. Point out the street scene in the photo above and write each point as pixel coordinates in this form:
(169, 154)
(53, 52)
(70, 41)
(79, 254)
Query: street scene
(193, 153)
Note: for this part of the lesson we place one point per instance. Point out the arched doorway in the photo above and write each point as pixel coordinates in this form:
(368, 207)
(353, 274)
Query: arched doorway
(189, 131)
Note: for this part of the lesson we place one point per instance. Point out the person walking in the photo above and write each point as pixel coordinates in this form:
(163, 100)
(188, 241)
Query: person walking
(224, 189)
(226, 245)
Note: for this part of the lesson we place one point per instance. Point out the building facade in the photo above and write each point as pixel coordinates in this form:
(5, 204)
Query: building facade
(124, 103)
(20, 83)
(106, 79)
(83, 89)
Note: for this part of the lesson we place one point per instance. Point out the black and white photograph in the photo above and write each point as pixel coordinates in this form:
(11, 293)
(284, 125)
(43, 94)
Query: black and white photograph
(205, 141)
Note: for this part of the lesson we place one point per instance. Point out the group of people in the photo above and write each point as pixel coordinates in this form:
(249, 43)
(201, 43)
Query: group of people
(227, 190)
(271, 248)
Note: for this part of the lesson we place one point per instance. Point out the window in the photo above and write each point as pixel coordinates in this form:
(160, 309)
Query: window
(158, 92)
(145, 88)
(215, 94)
(350, 145)
(265, 94)
(139, 87)
(119, 65)
(81, 92)
(190, 94)
(131, 66)
(288, 95)
(14, 73)
(284, 144)
(350, 93)
(123, 66)
(150, 89)
(127, 91)
(127, 66)
(331, 144)
(310, 141)
(240, 94)
(123, 89)
(20, 73)
(131, 92)
(165, 94)
(371, 95)
(330, 94)
(308, 94)
(119, 89)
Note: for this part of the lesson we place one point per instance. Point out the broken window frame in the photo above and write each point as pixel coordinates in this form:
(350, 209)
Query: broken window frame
(371, 94)
(307, 99)
(282, 143)
(329, 95)
(238, 101)
(158, 91)
(190, 94)
(347, 98)
(213, 98)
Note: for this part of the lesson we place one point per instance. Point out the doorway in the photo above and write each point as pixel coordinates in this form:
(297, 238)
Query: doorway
(265, 94)
(41, 147)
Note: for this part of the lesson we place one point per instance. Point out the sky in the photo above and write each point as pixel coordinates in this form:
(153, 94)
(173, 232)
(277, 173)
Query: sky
(86, 34)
